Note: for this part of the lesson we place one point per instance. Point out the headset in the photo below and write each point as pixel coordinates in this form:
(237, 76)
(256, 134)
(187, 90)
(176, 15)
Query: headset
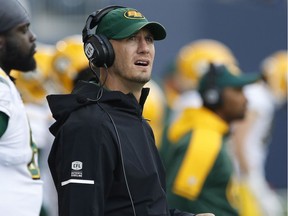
(97, 47)
(212, 95)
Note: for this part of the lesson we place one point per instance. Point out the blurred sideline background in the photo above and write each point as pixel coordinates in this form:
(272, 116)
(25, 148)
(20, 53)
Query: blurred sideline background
(253, 29)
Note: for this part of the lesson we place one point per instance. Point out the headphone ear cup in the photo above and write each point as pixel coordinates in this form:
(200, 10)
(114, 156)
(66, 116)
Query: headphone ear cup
(109, 51)
(212, 98)
(97, 48)
(212, 95)
(99, 51)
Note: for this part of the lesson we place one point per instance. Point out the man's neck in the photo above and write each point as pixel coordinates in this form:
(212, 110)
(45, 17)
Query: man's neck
(116, 84)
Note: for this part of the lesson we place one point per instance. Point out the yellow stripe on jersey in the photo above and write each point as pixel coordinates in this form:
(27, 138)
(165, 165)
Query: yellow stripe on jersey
(2, 73)
(201, 154)
(248, 202)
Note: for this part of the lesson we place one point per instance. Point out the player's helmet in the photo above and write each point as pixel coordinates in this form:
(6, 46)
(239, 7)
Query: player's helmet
(275, 70)
(193, 59)
(35, 85)
(68, 60)
(154, 109)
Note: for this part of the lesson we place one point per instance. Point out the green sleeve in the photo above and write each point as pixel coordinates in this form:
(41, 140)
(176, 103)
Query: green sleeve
(3, 123)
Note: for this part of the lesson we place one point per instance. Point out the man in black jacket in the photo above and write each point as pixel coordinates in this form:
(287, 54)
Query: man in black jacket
(104, 160)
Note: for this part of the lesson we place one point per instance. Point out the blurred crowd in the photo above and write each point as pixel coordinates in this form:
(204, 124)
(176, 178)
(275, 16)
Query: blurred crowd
(247, 140)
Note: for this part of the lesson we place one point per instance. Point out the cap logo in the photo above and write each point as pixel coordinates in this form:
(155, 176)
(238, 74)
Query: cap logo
(133, 14)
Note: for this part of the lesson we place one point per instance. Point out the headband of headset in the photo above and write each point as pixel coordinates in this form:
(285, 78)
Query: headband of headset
(94, 19)
(98, 48)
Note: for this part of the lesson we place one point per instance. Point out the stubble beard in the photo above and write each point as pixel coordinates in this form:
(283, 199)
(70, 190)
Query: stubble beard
(135, 80)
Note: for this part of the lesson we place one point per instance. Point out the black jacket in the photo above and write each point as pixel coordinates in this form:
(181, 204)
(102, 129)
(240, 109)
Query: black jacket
(104, 160)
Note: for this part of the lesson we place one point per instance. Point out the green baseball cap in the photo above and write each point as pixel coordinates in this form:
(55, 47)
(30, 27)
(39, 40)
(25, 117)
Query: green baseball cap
(123, 22)
(223, 78)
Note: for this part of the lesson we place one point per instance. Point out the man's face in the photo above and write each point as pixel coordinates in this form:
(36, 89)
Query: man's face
(234, 104)
(19, 49)
(134, 58)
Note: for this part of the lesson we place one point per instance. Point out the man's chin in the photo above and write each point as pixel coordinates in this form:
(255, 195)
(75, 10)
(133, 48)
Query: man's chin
(28, 66)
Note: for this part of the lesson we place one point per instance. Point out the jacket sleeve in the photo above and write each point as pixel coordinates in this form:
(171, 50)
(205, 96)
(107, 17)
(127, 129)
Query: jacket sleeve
(82, 161)
(176, 212)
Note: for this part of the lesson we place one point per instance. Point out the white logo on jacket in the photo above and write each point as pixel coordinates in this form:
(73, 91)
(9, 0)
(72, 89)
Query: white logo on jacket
(76, 165)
